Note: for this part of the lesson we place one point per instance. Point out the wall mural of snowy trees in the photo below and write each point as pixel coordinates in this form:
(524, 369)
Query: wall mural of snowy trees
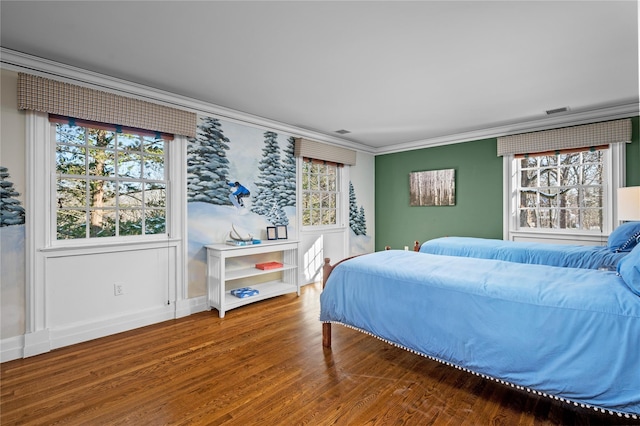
(12, 261)
(223, 159)
(11, 212)
(357, 221)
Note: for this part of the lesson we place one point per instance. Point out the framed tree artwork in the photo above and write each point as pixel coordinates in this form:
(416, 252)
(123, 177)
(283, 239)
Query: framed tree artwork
(432, 188)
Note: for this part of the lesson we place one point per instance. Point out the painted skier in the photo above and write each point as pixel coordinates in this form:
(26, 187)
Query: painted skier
(238, 192)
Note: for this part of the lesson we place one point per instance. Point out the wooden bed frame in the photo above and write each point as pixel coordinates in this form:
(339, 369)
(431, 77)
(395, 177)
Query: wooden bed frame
(326, 271)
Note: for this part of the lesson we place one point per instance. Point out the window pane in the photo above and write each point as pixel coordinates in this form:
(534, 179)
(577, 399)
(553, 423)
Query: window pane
(69, 134)
(528, 162)
(547, 218)
(329, 217)
(101, 162)
(155, 195)
(71, 224)
(155, 222)
(314, 184)
(153, 145)
(129, 142)
(129, 165)
(70, 160)
(529, 178)
(315, 201)
(315, 217)
(102, 223)
(548, 197)
(547, 160)
(592, 197)
(592, 174)
(528, 218)
(153, 167)
(71, 193)
(332, 183)
(103, 193)
(101, 138)
(130, 194)
(592, 220)
(130, 222)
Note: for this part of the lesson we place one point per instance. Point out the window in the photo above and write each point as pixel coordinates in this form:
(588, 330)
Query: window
(565, 191)
(320, 193)
(109, 182)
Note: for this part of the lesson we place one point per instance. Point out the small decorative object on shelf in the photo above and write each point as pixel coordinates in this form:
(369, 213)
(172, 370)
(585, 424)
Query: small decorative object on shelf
(234, 235)
(281, 231)
(244, 292)
(238, 243)
(271, 233)
(269, 265)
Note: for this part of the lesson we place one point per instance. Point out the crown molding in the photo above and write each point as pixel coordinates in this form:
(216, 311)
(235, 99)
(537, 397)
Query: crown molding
(22, 62)
(627, 110)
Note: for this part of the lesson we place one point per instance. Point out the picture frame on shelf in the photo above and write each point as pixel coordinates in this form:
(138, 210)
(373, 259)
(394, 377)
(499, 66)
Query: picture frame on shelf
(272, 233)
(281, 232)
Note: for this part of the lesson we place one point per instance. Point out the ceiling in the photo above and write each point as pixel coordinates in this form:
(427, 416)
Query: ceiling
(390, 72)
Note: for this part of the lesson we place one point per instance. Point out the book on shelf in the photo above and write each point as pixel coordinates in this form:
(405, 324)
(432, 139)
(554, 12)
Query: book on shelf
(239, 243)
(244, 292)
(269, 265)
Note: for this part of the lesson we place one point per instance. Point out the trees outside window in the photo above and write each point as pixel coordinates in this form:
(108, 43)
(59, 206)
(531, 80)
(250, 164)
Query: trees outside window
(564, 191)
(109, 183)
(320, 193)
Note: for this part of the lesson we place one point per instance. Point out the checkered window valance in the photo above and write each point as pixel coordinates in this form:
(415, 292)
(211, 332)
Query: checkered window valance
(55, 97)
(324, 152)
(585, 136)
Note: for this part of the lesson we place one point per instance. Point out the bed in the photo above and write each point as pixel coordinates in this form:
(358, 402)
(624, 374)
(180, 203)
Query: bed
(620, 243)
(568, 333)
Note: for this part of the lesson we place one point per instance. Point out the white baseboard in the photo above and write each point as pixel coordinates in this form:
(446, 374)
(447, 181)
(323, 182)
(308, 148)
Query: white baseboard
(187, 307)
(11, 348)
(31, 344)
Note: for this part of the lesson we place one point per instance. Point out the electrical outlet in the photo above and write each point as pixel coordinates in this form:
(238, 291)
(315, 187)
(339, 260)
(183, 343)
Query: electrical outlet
(118, 289)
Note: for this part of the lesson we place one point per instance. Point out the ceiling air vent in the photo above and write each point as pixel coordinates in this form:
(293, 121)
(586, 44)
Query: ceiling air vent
(557, 110)
(342, 131)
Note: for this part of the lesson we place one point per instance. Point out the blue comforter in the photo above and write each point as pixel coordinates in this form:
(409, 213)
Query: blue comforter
(573, 256)
(570, 333)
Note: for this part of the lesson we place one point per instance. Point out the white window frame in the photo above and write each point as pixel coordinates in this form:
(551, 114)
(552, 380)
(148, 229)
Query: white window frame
(41, 193)
(87, 175)
(341, 200)
(614, 175)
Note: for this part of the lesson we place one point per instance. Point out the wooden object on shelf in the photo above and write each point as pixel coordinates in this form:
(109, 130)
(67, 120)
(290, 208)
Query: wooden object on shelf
(230, 267)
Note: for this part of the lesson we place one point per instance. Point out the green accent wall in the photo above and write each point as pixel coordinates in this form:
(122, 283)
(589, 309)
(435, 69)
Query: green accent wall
(633, 154)
(478, 209)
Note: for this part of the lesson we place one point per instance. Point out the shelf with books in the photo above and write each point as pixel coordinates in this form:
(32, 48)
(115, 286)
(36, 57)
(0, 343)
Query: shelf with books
(232, 267)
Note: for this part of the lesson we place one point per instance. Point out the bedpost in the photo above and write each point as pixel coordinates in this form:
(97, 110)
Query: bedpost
(326, 326)
(416, 246)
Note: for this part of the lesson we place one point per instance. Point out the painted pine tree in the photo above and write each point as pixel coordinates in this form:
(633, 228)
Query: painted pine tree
(353, 210)
(208, 165)
(288, 193)
(11, 212)
(270, 183)
(362, 222)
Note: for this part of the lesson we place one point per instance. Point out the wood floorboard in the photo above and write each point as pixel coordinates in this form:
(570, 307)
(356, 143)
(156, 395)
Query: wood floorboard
(261, 364)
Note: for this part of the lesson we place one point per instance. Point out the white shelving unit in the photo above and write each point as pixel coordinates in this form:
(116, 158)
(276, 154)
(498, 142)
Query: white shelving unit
(230, 267)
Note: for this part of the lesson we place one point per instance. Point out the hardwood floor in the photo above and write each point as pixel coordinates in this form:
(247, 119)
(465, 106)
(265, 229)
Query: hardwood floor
(261, 364)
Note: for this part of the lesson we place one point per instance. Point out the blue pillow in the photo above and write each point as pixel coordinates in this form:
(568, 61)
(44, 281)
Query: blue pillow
(624, 237)
(629, 270)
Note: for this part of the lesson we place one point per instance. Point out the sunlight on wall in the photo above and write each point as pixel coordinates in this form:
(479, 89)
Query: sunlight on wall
(313, 261)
